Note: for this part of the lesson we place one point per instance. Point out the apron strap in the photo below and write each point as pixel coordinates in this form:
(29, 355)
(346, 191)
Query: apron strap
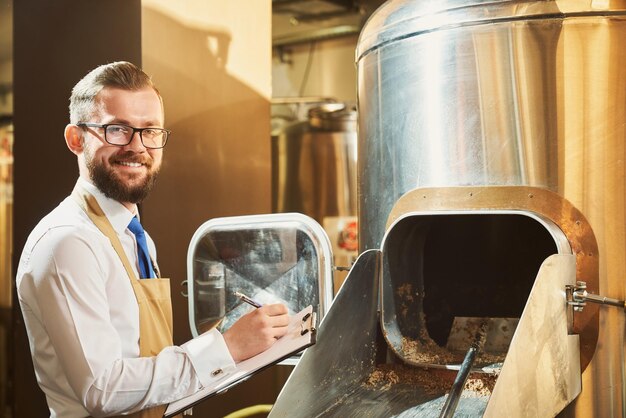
(91, 207)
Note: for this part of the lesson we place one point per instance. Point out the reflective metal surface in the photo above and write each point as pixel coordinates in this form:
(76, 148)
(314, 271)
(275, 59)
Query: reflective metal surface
(434, 270)
(347, 372)
(314, 172)
(270, 258)
(314, 164)
(344, 353)
(541, 374)
(494, 104)
(435, 276)
(504, 93)
(567, 227)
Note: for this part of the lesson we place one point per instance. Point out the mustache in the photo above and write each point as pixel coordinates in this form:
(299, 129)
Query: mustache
(131, 157)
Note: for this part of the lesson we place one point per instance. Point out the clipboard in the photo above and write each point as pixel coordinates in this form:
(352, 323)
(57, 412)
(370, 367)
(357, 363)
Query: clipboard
(300, 335)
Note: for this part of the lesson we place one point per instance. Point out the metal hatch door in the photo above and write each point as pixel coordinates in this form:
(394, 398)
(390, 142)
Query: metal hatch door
(271, 258)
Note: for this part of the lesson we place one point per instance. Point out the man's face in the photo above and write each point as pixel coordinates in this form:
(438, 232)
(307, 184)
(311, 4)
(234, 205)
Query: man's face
(124, 173)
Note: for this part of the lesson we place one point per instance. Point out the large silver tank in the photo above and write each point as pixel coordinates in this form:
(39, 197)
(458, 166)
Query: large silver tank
(504, 93)
(314, 172)
(314, 164)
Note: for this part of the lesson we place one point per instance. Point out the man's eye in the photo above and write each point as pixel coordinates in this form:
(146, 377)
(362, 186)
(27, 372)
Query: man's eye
(118, 130)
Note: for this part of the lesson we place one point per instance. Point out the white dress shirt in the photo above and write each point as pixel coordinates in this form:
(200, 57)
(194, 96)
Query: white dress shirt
(81, 315)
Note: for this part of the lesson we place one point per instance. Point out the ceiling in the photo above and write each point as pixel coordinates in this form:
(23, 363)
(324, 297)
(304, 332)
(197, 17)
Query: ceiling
(299, 21)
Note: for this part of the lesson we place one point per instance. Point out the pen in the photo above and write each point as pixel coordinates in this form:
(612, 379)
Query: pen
(248, 300)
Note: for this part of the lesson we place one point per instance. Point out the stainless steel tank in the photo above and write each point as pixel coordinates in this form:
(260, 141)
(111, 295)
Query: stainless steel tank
(474, 106)
(314, 164)
(314, 173)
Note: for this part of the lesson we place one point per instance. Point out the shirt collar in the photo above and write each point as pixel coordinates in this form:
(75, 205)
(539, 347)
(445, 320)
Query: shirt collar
(116, 213)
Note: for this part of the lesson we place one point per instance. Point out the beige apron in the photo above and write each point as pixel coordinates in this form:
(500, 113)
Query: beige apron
(153, 295)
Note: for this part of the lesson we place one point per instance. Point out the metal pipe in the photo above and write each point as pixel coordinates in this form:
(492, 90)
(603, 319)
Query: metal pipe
(459, 382)
(316, 35)
(299, 100)
(590, 297)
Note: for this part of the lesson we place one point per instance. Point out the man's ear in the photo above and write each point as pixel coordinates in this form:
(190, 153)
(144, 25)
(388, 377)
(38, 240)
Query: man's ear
(74, 138)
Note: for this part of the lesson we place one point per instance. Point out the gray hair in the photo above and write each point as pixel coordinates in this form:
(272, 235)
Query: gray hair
(123, 75)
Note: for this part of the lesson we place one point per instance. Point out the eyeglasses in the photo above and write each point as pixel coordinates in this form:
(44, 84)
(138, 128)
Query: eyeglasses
(121, 135)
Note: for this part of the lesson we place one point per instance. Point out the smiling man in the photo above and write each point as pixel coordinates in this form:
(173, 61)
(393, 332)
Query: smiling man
(97, 312)
(127, 171)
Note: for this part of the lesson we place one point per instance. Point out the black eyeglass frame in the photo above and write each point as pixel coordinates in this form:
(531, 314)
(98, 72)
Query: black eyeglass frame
(140, 130)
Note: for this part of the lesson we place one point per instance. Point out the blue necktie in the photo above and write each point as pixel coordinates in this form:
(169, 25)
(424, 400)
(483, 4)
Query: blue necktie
(145, 265)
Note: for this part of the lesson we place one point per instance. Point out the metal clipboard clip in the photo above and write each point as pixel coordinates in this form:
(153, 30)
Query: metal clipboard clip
(308, 325)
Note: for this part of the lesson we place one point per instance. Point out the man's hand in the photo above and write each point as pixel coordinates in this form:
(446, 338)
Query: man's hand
(256, 331)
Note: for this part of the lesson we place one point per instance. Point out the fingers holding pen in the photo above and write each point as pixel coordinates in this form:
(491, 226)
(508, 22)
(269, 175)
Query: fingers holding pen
(278, 314)
(279, 318)
(257, 330)
(274, 319)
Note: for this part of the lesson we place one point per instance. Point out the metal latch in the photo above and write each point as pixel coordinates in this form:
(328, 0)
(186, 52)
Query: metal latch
(577, 296)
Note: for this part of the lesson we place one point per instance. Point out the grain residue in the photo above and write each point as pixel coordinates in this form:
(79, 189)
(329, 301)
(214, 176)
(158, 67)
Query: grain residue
(431, 381)
(406, 292)
(408, 296)
(427, 351)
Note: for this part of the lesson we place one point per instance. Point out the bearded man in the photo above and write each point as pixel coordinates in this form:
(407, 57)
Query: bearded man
(96, 309)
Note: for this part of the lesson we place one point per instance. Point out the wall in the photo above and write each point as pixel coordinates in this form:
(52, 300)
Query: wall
(331, 69)
(212, 63)
(55, 44)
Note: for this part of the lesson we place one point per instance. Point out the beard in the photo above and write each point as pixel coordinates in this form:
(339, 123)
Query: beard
(106, 180)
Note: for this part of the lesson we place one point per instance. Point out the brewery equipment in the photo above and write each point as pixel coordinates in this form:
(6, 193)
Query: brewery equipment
(314, 173)
(314, 163)
(491, 184)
